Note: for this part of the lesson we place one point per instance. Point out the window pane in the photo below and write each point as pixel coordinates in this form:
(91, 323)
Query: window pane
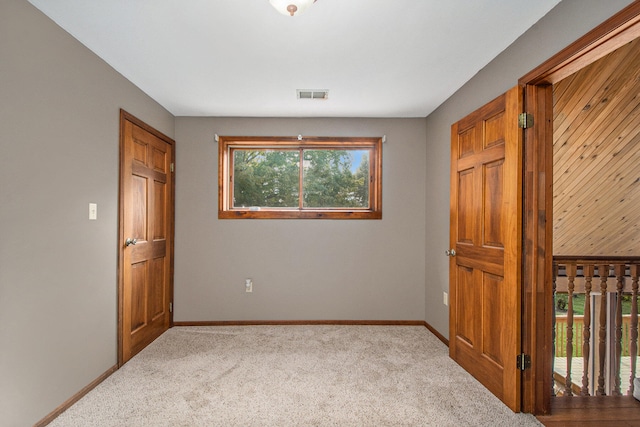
(336, 179)
(265, 178)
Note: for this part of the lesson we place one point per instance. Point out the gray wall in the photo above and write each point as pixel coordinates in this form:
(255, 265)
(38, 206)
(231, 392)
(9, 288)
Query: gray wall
(567, 22)
(59, 114)
(301, 269)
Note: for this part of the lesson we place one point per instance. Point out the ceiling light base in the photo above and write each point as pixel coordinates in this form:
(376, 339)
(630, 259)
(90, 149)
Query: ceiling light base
(291, 7)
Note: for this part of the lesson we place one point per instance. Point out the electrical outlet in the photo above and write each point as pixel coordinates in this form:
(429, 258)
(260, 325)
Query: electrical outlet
(445, 298)
(248, 285)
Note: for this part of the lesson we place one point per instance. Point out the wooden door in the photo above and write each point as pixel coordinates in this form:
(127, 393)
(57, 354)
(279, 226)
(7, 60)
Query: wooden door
(146, 235)
(485, 232)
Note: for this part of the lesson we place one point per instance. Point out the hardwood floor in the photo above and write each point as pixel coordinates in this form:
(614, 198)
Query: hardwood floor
(594, 411)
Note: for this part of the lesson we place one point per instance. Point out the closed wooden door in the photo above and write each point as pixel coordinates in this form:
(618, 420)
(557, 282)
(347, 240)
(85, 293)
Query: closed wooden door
(485, 233)
(146, 236)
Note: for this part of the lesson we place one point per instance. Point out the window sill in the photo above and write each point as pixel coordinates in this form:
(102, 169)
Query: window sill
(297, 214)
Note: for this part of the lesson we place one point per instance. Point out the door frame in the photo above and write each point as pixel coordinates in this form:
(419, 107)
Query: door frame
(537, 338)
(124, 116)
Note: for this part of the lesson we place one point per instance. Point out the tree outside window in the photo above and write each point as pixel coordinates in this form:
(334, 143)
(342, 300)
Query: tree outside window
(338, 178)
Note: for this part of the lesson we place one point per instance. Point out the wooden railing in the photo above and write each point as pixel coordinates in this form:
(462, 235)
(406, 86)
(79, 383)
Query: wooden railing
(578, 330)
(594, 332)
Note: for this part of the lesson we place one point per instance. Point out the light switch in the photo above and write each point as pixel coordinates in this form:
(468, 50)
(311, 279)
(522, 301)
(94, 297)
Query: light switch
(93, 211)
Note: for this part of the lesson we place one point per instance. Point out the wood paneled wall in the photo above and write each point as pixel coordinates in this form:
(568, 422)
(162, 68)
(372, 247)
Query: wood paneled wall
(596, 156)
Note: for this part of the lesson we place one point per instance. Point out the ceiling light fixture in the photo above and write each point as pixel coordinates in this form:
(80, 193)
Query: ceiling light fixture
(291, 7)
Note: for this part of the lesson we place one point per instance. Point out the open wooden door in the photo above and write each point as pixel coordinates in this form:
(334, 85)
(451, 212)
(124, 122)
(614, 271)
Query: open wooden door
(146, 236)
(485, 237)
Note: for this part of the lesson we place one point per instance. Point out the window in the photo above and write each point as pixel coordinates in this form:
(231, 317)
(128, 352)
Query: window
(276, 177)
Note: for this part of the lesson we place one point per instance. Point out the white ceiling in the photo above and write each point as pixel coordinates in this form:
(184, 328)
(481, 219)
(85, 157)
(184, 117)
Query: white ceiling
(378, 58)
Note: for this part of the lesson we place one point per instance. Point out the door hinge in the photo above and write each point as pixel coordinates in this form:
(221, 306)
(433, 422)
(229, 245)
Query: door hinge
(525, 120)
(172, 167)
(170, 307)
(523, 361)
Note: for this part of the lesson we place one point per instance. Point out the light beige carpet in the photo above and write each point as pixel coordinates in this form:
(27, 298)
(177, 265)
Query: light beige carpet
(292, 376)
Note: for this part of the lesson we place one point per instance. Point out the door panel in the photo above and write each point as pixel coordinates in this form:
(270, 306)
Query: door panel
(466, 216)
(486, 234)
(139, 203)
(494, 130)
(492, 213)
(492, 286)
(138, 292)
(156, 284)
(466, 297)
(146, 215)
(159, 221)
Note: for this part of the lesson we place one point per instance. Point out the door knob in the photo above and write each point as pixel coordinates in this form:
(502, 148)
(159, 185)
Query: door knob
(450, 252)
(130, 241)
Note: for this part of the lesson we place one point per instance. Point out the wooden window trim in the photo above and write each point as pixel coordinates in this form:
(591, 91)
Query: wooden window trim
(225, 210)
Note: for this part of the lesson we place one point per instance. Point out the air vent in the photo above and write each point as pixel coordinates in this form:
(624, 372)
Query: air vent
(312, 93)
